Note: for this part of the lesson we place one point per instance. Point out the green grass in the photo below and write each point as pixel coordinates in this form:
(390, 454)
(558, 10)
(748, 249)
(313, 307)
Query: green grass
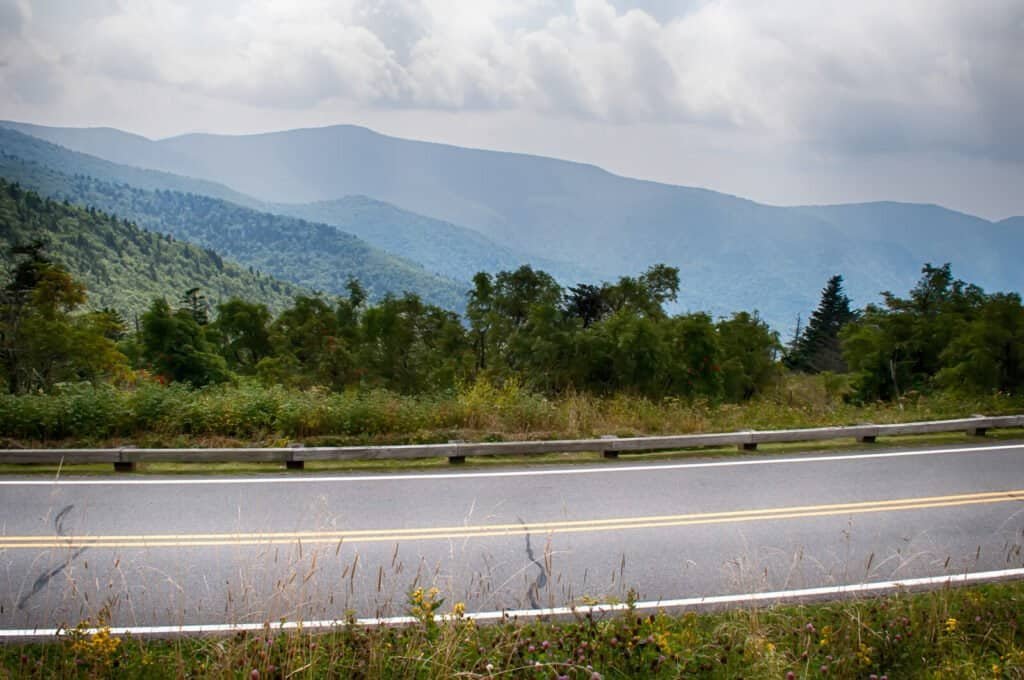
(965, 633)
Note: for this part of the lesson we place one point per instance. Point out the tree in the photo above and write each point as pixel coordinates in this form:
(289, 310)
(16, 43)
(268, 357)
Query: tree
(244, 333)
(903, 344)
(309, 348)
(750, 349)
(988, 355)
(175, 345)
(818, 348)
(195, 303)
(410, 346)
(41, 341)
(645, 294)
(479, 311)
(587, 303)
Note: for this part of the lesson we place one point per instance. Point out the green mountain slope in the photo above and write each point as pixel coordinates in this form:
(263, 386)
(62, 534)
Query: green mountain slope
(441, 247)
(732, 253)
(125, 267)
(313, 255)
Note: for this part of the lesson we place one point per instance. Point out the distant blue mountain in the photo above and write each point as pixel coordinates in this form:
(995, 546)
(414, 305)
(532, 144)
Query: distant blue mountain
(733, 253)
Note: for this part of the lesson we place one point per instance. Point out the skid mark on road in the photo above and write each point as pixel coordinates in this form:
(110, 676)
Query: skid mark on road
(45, 578)
(533, 591)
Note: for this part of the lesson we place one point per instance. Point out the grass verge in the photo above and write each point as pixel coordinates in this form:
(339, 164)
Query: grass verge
(973, 632)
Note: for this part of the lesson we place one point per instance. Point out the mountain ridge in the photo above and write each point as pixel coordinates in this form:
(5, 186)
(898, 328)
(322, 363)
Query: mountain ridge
(733, 253)
(267, 241)
(123, 266)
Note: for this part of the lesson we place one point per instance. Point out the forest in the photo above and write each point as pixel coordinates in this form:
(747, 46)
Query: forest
(520, 325)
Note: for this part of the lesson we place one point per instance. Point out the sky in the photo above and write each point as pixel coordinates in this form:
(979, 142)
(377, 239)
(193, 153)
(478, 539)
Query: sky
(784, 102)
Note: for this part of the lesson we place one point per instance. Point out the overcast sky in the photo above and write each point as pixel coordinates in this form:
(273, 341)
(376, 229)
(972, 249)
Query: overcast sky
(782, 101)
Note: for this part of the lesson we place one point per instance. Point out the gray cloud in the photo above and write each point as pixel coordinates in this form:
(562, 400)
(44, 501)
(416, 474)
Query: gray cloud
(14, 16)
(830, 77)
(865, 75)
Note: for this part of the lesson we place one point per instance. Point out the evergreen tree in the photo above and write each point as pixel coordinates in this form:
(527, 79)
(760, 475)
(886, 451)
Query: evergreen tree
(818, 348)
(196, 304)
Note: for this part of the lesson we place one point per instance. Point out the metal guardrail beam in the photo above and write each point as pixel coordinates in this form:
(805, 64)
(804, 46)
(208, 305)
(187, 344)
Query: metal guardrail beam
(294, 457)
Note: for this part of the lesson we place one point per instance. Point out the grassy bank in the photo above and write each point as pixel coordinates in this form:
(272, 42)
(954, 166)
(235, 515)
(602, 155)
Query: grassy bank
(955, 633)
(157, 415)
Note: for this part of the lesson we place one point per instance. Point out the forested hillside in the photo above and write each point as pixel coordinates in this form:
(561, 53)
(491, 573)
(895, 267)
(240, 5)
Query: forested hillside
(440, 246)
(122, 266)
(730, 251)
(314, 255)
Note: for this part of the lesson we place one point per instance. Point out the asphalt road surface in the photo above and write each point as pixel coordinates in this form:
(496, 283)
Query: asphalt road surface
(154, 551)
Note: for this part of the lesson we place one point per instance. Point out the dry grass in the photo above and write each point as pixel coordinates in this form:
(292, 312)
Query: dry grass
(951, 633)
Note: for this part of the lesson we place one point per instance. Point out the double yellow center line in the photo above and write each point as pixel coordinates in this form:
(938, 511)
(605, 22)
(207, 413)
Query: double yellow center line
(490, 530)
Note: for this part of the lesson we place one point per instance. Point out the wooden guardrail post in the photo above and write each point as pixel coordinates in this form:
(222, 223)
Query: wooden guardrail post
(979, 431)
(750, 444)
(456, 459)
(866, 438)
(291, 463)
(124, 465)
(609, 453)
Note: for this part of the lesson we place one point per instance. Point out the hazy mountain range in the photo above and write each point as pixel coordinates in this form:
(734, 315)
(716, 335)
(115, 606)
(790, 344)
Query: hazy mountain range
(454, 211)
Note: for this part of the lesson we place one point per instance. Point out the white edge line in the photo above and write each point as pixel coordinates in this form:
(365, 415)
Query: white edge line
(508, 473)
(682, 603)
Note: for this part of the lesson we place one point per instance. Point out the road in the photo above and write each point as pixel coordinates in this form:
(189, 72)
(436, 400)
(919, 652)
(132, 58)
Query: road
(226, 550)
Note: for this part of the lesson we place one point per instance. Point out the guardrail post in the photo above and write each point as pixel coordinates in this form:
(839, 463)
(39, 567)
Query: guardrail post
(750, 445)
(867, 438)
(124, 465)
(609, 453)
(456, 460)
(977, 431)
(291, 464)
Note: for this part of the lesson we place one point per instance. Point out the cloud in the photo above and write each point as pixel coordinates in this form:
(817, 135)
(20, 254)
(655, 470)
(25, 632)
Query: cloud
(871, 76)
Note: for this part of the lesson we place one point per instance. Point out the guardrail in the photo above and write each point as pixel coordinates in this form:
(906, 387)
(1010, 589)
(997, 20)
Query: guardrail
(294, 457)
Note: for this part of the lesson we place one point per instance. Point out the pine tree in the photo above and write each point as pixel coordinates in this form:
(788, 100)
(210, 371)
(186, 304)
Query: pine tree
(817, 348)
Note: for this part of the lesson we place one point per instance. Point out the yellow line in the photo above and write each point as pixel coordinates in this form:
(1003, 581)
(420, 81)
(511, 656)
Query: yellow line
(534, 525)
(485, 531)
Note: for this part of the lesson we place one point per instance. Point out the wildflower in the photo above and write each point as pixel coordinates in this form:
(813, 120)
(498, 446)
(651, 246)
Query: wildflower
(951, 624)
(864, 654)
(459, 609)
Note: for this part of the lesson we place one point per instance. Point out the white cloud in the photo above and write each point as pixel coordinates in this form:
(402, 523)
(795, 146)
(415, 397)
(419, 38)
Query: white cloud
(828, 77)
(866, 74)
